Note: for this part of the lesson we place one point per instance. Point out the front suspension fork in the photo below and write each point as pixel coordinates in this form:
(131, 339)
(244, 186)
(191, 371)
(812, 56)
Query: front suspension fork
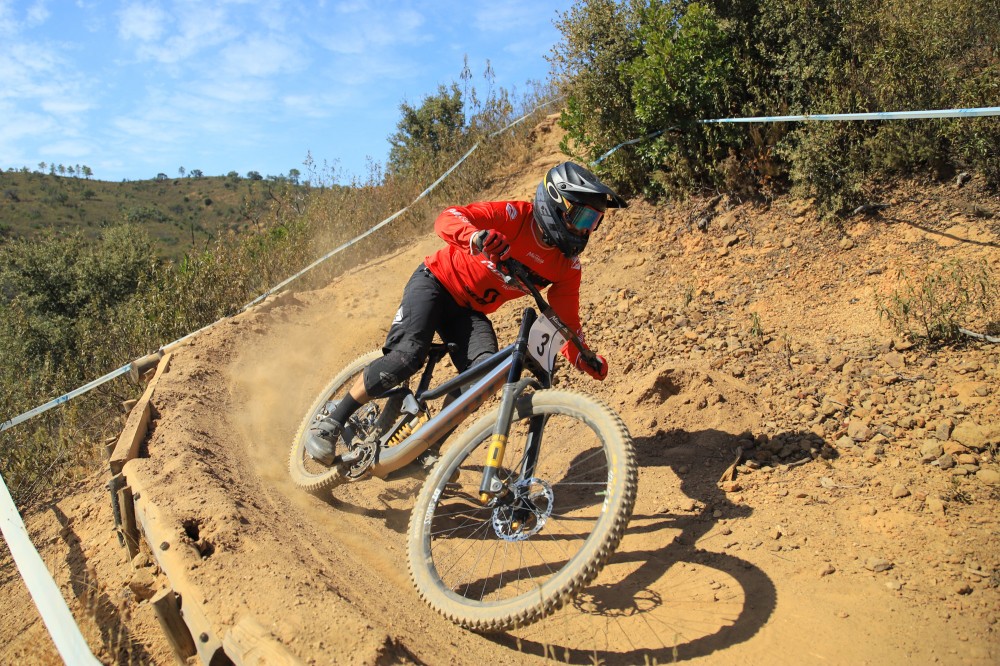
(492, 486)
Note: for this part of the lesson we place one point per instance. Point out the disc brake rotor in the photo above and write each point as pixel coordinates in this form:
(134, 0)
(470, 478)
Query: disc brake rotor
(526, 514)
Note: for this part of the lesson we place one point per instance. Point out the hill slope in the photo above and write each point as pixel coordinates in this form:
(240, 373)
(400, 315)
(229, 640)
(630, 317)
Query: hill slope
(182, 215)
(861, 526)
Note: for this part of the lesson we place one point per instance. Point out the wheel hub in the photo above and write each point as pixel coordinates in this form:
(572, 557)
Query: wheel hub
(527, 513)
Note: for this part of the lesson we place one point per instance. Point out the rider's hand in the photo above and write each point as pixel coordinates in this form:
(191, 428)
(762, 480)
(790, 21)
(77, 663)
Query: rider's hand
(578, 361)
(492, 243)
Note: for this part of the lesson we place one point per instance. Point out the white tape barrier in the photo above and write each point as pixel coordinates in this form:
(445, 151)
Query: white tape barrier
(55, 613)
(122, 370)
(64, 398)
(877, 115)
(980, 112)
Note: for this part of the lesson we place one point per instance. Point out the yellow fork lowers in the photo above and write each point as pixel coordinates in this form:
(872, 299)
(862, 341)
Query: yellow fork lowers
(494, 458)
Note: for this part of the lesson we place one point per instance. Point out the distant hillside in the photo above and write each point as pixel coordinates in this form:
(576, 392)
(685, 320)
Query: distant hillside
(178, 213)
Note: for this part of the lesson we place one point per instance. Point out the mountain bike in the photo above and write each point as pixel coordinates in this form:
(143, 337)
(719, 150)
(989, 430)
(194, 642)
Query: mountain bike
(525, 506)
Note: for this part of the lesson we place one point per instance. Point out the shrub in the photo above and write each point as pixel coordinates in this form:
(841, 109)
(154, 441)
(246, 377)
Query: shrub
(949, 297)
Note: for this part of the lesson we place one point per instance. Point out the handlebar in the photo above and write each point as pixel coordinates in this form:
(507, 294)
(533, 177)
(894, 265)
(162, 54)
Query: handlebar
(514, 273)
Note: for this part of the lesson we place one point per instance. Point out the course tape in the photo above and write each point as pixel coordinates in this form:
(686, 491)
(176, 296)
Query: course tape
(978, 112)
(64, 398)
(58, 619)
(125, 368)
(877, 115)
(888, 115)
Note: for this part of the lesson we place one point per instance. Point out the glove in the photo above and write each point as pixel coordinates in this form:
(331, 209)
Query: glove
(578, 361)
(492, 243)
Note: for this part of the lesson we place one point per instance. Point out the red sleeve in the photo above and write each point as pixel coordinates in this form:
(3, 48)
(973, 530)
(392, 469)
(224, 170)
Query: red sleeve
(457, 223)
(564, 297)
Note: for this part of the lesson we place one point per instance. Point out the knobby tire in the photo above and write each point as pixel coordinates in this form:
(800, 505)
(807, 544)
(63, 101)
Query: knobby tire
(456, 556)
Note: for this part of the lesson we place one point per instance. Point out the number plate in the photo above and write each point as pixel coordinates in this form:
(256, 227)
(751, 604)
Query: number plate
(544, 342)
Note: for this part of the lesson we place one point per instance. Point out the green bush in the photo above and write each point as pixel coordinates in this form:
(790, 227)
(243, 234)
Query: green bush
(634, 68)
(589, 66)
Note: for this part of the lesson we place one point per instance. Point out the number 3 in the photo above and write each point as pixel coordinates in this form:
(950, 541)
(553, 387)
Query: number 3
(545, 341)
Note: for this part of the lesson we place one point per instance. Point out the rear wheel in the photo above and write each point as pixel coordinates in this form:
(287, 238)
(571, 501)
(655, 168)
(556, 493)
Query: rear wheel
(312, 475)
(523, 555)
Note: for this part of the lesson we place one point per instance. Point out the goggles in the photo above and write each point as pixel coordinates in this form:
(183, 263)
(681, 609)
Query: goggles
(582, 219)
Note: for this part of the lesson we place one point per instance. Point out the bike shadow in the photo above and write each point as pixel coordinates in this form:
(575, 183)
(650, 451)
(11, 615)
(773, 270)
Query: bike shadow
(387, 501)
(661, 597)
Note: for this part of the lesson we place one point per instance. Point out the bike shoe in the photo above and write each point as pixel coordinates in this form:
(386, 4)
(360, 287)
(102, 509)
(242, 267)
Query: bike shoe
(321, 441)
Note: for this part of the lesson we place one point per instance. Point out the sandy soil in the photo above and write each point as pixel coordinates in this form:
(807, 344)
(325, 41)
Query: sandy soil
(861, 524)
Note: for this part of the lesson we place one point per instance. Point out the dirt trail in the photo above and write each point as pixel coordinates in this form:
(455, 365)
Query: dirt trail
(845, 537)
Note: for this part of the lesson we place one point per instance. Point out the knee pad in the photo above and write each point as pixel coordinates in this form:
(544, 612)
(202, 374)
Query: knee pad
(383, 374)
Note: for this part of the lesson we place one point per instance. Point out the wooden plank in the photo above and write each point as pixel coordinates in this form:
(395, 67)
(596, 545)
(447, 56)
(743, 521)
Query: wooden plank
(248, 643)
(129, 528)
(137, 423)
(168, 612)
(173, 558)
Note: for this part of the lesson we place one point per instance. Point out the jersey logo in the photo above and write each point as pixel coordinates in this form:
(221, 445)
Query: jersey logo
(576, 264)
(511, 211)
(399, 316)
(538, 260)
(490, 296)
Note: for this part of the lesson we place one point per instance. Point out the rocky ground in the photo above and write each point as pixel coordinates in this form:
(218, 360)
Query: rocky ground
(815, 485)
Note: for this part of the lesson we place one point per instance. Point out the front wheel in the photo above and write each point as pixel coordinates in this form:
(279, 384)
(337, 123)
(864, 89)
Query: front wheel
(524, 554)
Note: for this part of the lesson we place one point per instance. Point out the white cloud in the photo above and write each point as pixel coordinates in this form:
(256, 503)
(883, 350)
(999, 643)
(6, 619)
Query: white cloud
(144, 22)
(374, 30)
(507, 16)
(71, 148)
(18, 126)
(38, 14)
(8, 24)
(260, 55)
(66, 106)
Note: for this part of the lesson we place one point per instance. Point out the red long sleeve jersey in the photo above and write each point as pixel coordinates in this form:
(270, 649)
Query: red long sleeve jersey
(472, 279)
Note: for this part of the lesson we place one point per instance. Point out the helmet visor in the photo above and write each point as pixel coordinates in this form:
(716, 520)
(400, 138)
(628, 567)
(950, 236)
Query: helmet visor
(582, 219)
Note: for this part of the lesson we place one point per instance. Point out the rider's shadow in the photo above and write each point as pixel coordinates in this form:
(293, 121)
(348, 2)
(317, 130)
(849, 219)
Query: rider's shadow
(666, 598)
(390, 504)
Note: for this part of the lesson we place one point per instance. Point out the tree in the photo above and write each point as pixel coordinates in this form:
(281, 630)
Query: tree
(196, 173)
(294, 175)
(434, 128)
(181, 171)
(254, 175)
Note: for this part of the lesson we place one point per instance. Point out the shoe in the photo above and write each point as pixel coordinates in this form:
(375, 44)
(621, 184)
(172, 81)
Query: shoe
(321, 442)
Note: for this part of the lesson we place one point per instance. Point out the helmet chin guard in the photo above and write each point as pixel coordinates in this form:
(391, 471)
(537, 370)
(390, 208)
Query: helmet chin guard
(569, 204)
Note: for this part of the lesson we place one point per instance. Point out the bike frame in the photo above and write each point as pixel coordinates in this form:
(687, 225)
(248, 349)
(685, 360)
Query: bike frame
(502, 370)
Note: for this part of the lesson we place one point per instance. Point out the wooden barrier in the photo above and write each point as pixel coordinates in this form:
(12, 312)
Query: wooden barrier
(137, 424)
(168, 613)
(182, 617)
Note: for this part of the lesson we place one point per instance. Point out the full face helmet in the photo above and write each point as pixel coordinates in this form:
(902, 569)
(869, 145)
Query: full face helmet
(570, 204)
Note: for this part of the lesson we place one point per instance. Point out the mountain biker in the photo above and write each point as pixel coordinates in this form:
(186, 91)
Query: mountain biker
(454, 289)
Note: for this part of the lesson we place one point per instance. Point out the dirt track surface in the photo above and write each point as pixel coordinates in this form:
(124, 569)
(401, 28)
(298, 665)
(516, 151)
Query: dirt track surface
(860, 527)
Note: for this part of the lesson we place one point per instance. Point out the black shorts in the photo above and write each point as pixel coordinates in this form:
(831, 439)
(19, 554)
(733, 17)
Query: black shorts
(428, 308)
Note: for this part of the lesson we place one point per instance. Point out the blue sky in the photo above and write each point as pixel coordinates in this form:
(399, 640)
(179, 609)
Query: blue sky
(135, 88)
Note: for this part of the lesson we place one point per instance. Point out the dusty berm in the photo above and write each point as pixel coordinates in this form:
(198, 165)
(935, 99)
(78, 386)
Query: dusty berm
(813, 487)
